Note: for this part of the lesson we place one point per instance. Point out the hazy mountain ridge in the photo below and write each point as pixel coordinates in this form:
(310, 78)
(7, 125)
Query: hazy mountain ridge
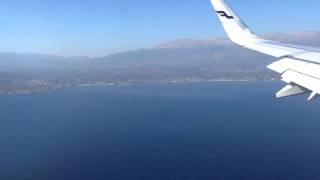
(180, 52)
(309, 38)
(216, 54)
(177, 60)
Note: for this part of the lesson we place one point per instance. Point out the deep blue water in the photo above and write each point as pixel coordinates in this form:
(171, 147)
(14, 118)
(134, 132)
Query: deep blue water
(196, 131)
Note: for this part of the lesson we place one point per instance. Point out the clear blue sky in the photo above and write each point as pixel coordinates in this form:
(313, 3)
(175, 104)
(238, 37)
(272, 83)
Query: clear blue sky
(101, 27)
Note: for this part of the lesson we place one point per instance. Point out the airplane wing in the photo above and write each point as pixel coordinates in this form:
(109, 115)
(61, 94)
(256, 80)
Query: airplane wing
(299, 66)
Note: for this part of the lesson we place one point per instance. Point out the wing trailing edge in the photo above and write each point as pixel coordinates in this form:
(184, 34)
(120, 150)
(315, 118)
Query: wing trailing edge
(291, 90)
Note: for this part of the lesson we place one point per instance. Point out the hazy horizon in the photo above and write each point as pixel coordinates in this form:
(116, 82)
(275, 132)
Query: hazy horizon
(184, 41)
(99, 28)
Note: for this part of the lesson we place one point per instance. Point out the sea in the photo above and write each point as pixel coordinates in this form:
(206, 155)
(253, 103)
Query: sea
(183, 131)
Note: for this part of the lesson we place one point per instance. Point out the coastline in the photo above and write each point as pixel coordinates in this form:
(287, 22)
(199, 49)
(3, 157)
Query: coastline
(123, 84)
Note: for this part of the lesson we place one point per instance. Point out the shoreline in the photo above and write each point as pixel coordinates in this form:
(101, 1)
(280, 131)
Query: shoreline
(124, 84)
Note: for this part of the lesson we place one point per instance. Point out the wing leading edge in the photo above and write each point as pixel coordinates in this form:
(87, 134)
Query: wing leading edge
(298, 65)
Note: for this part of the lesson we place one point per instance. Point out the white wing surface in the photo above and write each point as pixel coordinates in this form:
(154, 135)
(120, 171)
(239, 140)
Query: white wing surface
(298, 65)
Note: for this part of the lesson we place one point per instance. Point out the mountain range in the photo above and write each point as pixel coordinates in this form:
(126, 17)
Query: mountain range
(177, 60)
